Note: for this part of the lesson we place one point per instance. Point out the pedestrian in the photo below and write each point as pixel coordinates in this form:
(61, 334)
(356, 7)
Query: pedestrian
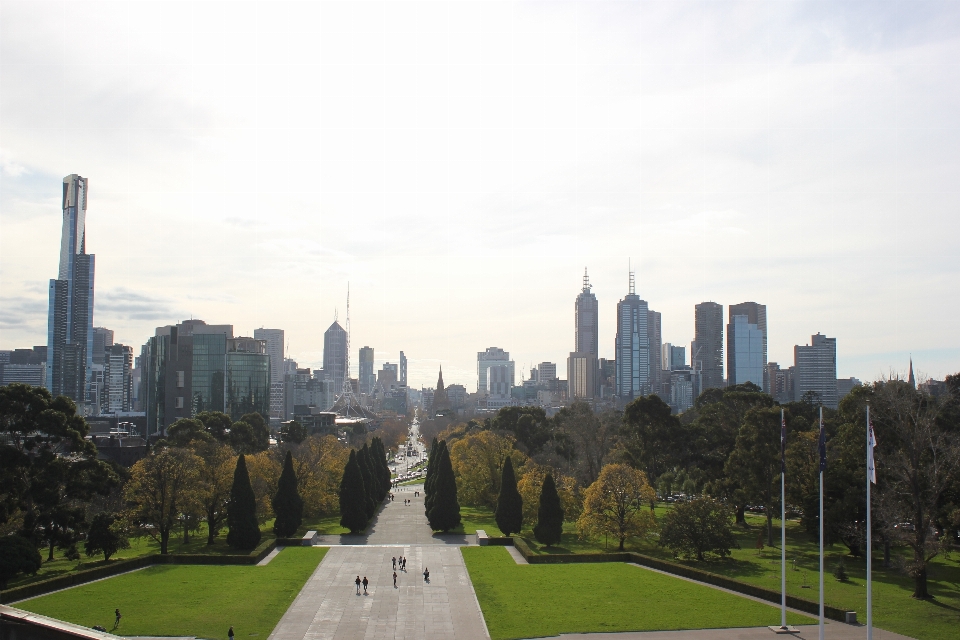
(426, 574)
(358, 584)
(365, 583)
(394, 563)
(394, 579)
(116, 623)
(230, 633)
(404, 564)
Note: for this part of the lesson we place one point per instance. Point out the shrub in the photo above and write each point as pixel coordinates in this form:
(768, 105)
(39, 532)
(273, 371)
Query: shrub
(693, 529)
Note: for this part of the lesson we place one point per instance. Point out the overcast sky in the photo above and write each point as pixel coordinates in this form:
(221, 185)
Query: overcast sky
(460, 163)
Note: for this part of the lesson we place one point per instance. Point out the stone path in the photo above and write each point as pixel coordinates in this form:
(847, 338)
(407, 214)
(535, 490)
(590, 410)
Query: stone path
(328, 606)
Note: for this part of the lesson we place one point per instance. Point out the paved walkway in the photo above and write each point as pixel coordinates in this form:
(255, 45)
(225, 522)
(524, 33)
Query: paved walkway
(328, 606)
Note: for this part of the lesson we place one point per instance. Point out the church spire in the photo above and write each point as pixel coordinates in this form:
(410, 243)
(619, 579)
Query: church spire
(910, 379)
(440, 380)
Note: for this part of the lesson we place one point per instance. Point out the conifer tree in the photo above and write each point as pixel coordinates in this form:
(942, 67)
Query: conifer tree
(431, 479)
(353, 497)
(445, 512)
(509, 513)
(287, 504)
(383, 471)
(244, 530)
(369, 486)
(549, 515)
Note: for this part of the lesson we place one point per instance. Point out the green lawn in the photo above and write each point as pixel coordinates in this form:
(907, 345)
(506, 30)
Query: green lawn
(188, 600)
(525, 601)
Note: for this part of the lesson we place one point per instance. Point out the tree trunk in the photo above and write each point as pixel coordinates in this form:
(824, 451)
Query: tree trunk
(164, 539)
(920, 584)
(210, 517)
(769, 528)
(50, 555)
(621, 542)
(740, 518)
(186, 533)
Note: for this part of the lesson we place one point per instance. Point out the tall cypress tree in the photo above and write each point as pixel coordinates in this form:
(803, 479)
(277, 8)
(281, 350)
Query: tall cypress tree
(287, 504)
(509, 513)
(549, 514)
(363, 459)
(445, 512)
(353, 497)
(429, 484)
(244, 530)
(383, 471)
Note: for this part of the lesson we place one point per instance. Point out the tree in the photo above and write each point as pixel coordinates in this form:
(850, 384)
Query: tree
(614, 504)
(652, 437)
(755, 461)
(369, 483)
(107, 535)
(431, 480)
(693, 529)
(592, 437)
(509, 512)
(531, 484)
(161, 487)
(353, 497)
(529, 426)
(445, 513)
(293, 432)
(216, 423)
(186, 431)
(550, 515)
(217, 463)
(17, 555)
(478, 460)
(250, 434)
(382, 469)
(287, 504)
(244, 530)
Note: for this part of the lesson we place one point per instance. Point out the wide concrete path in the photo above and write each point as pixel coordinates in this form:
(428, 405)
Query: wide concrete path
(328, 605)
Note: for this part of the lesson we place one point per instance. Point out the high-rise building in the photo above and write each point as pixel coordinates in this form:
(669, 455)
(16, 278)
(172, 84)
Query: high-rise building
(486, 359)
(816, 370)
(368, 379)
(654, 347)
(118, 378)
(403, 370)
(706, 350)
(387, 376)
(757, 315)
(581, 376)
(632, 345)
(586, 319)
(335, 354)
(102, 338)
(745, 361)
(70, 315)
(247, 366)
(546, 372)
(674, 357)
(781, 382)
(499, 379)
(27, 366)
(274, 340)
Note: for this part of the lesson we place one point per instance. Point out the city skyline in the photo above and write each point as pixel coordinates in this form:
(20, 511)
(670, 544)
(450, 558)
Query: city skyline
(464, 206)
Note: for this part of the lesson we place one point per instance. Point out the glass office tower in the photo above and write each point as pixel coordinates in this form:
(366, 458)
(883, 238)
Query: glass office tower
(247, 377)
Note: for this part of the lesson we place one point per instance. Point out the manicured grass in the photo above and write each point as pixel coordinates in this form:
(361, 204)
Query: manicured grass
(188, 600)
(525, 601)
(472, 519)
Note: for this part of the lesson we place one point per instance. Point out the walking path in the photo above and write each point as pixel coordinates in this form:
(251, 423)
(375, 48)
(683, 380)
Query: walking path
(328, 606)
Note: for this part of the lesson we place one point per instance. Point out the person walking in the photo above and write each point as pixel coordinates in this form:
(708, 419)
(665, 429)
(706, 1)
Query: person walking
(230, 633)
(394, 579)
(358, 584)
(365, 583)
(116, 622)
(426, 574)
(394, 563)
(404, 564)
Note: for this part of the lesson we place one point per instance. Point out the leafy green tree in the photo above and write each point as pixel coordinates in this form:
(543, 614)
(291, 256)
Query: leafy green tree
(217, 465)
(242, 510)
(529, 426)
(250, 434)
(17, 555)
(107, 535)
(161, 487)
(652, 437)
(186, 431)
(369, 481)
(445, 512)
(614, 504)
(509, 512)
(216, 423)
(383, 470)
(293, 432)
(431, 479)
(353, 497)
(550, 514)
(755, 461)
(587, 438)
(696, 528)
(287, 504)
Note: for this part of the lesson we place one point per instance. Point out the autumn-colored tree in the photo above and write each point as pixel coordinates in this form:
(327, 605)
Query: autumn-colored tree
(161, 487)
(477, 461)
(616, 504)
(529, 487)
(218, 462)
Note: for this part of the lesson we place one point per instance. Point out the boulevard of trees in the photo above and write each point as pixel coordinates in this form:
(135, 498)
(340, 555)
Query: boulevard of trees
(723, 455)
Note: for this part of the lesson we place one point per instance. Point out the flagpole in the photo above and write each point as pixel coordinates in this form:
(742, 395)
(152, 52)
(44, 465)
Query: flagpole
(870, 463)
(783, 526)
(821, 521)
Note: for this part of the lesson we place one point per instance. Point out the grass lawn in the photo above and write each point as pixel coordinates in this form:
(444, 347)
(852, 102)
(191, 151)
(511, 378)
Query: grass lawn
(525, 601)
(893, 608)
(188, 600)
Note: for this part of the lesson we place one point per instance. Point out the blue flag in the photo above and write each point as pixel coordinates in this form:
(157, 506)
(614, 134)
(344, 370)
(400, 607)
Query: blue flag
(823, 446)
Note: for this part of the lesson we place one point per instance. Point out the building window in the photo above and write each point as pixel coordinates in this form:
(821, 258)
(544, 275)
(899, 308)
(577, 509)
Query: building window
(180, 379)
(179, 402)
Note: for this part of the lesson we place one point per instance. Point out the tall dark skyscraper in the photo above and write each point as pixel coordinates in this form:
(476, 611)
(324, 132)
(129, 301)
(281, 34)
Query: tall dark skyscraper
(335, 355)
(633, 345)
(368, 379)
(747, 351)
(587, 320)
(706, 350)
(70, 315)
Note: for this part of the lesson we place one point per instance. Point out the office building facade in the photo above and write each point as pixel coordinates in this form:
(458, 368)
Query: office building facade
(368, 379)
(674, 357)
(632, 349)
(706, 350)
(493, 356)
(745, 357)
(70, 303)
(274, 339)
(581, 376)
(403, 370)
(816, 370)
(335, 354)
(756, 314)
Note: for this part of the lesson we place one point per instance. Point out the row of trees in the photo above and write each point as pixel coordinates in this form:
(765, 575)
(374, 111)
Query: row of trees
(440, 489)
(364, 485)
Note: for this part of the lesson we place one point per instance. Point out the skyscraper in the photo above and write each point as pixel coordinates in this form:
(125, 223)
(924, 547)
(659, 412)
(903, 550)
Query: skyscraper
(586, 317)
(335, 354)
(632, 345)
(756, 315)
(654, 346)
(706, 350)
(493, 356)
(816, 370)
(70, 315)
(368, 379)
(745, 361)
(403, 369)
(274, 341)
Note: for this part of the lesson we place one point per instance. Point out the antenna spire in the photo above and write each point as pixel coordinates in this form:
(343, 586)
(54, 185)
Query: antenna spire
(586, 281)
(633, 283)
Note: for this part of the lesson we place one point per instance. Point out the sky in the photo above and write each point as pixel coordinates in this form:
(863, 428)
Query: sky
(459, 164)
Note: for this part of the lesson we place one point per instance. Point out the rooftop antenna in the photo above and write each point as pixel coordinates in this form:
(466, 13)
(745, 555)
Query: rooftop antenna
(586, 281)
(633, 283)
(347, 399)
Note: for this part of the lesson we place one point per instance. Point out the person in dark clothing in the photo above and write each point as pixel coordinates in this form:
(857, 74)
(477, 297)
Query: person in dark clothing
(394, 559)
(117, 621)
(426, 574)
(365, 583)
(404, 564)
(357, 581)
(230, 633)
(394, 579)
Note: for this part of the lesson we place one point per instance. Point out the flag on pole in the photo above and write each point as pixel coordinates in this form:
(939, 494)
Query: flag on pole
(823, 444)
(783, 443)
(871, 464)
